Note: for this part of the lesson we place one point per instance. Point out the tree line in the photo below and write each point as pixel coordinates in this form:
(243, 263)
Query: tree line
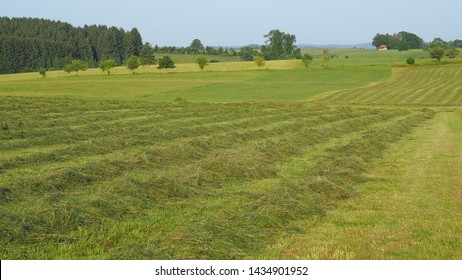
(31, 44)
(404, 41)
(399, 41)
(28, 44)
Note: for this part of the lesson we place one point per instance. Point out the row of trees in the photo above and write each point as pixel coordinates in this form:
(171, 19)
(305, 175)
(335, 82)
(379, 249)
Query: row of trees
(404, 41)
(399, 41)
(133, 63)
(438, 49)
(278, 45)
(196, 47)
(29, 44)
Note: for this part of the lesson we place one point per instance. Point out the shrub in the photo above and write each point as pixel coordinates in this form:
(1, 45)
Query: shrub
(133, 63)
(107, 65)
(166, 62)
(202, 61)
(410, 61)
(259, 60)
(307, 59)
(43, 72)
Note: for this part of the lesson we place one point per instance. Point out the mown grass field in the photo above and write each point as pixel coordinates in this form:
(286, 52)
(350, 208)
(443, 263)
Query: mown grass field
(409, 208)
(246, 164)
(431, 85)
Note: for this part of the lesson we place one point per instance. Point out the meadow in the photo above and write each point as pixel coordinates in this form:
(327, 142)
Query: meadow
(286, 80)
(437, 86)
(233, 162)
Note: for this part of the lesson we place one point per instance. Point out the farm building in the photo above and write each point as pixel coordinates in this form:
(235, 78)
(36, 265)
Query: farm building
(383, 48)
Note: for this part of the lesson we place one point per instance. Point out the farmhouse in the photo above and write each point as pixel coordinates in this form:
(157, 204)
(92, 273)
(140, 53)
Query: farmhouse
(383, 48)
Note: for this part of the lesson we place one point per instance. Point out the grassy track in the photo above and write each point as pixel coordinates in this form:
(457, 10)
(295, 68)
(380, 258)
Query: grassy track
(409, 210)
(435, 85)
(98, 179)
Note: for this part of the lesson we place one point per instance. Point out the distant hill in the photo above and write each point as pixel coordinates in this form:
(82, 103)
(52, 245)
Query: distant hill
(338, 46)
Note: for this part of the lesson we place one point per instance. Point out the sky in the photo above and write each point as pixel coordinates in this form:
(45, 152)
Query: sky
(242, 22)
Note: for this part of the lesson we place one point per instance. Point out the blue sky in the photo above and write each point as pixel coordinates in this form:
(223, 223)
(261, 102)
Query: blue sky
(240, 22)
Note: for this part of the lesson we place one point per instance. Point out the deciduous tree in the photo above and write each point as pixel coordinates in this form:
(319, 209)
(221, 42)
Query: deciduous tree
(452, 52)
(133, 63)
(247, 53)
(166, 62)
(437, 52)
(107, 65)
(280, 45)
(76, 66)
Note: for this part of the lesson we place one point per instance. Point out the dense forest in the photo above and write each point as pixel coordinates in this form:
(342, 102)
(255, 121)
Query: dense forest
(27, 44)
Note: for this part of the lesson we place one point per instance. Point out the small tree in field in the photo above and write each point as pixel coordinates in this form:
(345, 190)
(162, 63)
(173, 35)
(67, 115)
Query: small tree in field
(166, 62)
(202, 61)
(259, 60)
(76, 66)
(452, 52)
(133, 63)
(107, 65)
(437, 52)
(325, 58)
(307, 59)
(43, 72)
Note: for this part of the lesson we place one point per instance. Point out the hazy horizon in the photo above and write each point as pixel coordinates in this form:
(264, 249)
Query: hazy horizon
(224, 23)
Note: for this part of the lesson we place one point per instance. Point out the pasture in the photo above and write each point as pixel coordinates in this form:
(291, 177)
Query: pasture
(233, 162)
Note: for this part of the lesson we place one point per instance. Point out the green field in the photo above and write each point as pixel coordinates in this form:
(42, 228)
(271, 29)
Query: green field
(280, 81)
(233, 162)
(409, 86)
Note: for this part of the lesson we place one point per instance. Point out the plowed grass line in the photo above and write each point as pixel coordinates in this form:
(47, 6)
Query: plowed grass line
(410, 210)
